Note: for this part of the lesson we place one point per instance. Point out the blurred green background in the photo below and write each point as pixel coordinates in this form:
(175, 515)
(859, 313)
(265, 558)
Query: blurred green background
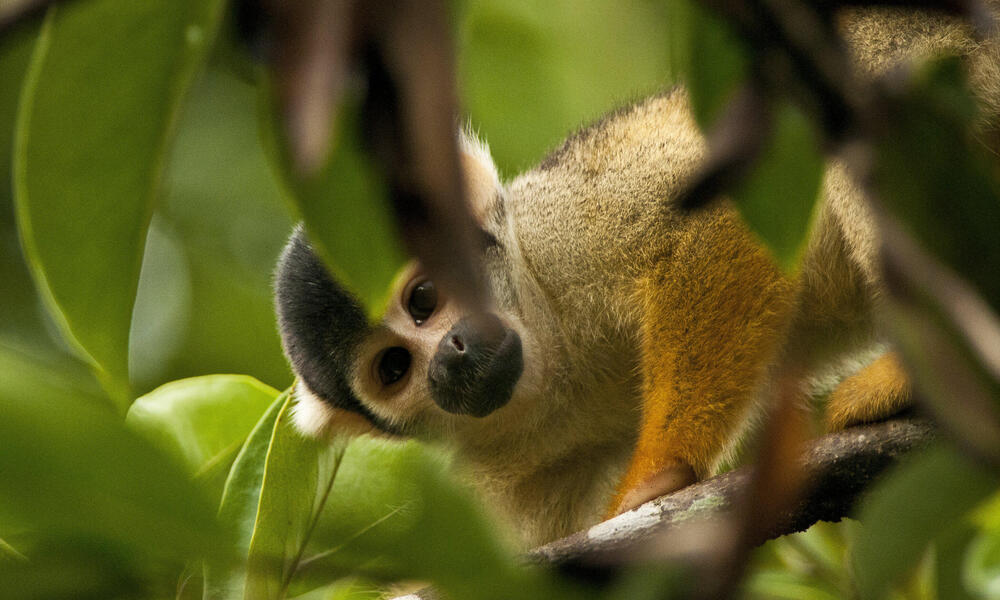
(529, 73)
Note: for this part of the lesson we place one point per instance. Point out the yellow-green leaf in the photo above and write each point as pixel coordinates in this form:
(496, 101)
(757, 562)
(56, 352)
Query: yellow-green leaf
(778, 198)
(102, 94)
(204, 421)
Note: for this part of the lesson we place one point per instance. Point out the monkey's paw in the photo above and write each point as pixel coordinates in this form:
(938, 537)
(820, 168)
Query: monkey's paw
(670, 479)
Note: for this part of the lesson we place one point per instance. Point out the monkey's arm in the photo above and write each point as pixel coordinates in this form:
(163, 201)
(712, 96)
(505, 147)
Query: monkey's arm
(713, 317)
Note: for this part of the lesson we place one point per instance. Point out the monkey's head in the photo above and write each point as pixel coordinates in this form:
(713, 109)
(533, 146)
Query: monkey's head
(427, 367)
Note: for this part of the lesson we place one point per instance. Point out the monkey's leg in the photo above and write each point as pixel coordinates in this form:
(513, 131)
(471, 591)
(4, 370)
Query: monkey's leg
(874, 393)
(714, 316)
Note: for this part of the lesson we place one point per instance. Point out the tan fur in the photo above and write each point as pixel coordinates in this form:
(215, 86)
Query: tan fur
(649, 335)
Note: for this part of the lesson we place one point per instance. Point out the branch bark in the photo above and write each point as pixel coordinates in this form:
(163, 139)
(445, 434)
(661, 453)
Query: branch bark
(839, 467)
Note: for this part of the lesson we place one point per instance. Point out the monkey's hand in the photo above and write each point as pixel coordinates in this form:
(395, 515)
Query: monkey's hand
(672, 477)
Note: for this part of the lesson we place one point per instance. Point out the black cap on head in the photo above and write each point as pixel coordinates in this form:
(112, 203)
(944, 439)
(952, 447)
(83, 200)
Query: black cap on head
(321, 325)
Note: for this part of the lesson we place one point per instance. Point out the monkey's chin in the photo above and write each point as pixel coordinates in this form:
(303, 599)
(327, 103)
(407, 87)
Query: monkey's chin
(480, 391)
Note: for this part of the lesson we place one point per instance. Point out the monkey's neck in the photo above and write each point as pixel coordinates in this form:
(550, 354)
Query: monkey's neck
(553, 472)
(555, 499)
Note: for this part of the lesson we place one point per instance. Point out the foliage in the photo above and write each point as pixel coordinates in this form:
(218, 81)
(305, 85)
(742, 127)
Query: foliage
(150, 214)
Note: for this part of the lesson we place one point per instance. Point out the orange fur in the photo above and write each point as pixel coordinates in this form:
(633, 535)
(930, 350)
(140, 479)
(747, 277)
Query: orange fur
(714, 316)
(878, 391)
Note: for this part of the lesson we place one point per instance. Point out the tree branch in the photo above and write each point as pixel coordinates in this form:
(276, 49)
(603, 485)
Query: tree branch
(839, 467)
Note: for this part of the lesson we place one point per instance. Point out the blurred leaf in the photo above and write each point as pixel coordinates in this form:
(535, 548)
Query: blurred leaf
(350, 588)
(949, 339)
(204, 421)
(212, 249)
(950, 560)
(707, 56)
(75, 568)
(240, 499)
(344, 207)
(776, 584)
(939, 181)
(923, 498)
(25, 376)
(652, 582)
(777, 198)
(981, 572)
(530, 72)
(21, 318)
(69, 468)
(8, 552)
(101, 147)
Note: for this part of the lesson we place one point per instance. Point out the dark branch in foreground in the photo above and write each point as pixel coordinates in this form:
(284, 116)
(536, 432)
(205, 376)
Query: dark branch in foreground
(839, 467)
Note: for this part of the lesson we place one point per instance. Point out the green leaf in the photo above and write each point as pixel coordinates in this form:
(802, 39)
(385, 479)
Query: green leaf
(240, 498)
(383, 508)
(8, 552)
(939, 180)
(71, 567)
(777, 199)
(28, 377)
(294, 489)
(204, 421)
(924, 497)
(21, 320)
(707, 56)
(531, 72)
(72, 469)
(344, 207)
(395, 513)
(981, 572)
(212, 248)
(950, 558)
(775, 584)
(102, 95)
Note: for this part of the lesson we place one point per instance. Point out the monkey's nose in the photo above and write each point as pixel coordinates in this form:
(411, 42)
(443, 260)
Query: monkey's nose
(476, 366)
(475, 338)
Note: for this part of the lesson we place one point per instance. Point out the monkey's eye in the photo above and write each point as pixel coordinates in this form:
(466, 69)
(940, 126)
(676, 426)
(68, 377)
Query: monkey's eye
(393, 365)
(423, 300)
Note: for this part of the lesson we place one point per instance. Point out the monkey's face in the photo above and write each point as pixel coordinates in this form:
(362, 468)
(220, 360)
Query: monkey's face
(426, 368)
(427, 349)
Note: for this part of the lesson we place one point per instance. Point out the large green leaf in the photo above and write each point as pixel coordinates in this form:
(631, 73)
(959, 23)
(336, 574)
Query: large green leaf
(42, 381)
(939, 180)
(344, 207)
(395, 512)
(381, 507)
(294, 489)
(777, 199)
(103, 92)
(240, 498)
(707, 56)
(924, 497)
(202, 420)
(70, 469)
(531, 72)
(205, 302)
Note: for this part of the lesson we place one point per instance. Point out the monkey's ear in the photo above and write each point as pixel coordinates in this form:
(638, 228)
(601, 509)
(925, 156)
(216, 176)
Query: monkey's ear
(317, 418)
(482, 182)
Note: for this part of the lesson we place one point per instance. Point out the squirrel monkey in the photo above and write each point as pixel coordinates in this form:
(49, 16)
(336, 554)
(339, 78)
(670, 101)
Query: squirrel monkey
(628, 343)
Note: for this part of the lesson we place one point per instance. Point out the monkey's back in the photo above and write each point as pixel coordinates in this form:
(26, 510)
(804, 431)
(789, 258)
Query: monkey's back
(598, 212)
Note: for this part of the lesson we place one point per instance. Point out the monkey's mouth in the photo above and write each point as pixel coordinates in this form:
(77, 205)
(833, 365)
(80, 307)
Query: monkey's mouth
(476, 367)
